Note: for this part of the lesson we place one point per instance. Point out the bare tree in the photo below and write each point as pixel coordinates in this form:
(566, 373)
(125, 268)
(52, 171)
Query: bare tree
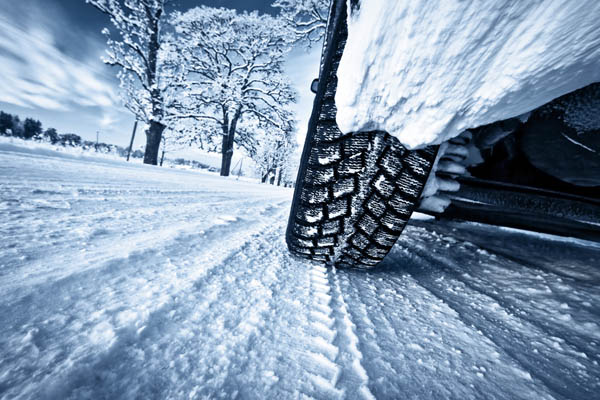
(138, 53)
(234, 75)
(307, 18)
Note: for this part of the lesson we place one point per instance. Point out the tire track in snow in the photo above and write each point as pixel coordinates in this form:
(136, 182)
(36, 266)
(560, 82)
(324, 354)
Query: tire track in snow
(225, 324)
(559, 284)
(321, 352)
(408, 340)
(373, 329)
(119, 313)
(512, 337)
(139, 237)
(575, 345)
(141, 243)
(353, 380)
(437, 355)
(522, 309)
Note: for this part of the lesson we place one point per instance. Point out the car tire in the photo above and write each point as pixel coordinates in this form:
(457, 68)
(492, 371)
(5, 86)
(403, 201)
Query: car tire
(354, 192)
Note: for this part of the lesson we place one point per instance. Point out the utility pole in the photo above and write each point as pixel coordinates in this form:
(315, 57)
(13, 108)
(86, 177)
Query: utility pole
(97, 137)
(163, 142)
(234, 167)
(240, 170)
(162, 158)
(132, 137)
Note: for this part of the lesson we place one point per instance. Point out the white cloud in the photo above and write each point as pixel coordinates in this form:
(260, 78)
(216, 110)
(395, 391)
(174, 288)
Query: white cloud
(107, 120)
(37, 74)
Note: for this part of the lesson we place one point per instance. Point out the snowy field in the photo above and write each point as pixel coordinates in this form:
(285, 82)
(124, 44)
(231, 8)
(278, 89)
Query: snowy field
(128, 281)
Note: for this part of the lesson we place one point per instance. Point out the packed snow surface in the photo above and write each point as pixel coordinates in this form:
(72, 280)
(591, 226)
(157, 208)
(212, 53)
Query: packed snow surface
(123, 281)
(425, 71)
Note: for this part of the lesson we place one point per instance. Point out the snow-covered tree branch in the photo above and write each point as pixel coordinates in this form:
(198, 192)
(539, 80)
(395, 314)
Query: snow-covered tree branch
(234, 77)
(307, 18)
(139, 49)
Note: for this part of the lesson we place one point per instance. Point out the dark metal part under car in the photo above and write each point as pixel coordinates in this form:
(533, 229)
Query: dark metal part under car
(542, 174)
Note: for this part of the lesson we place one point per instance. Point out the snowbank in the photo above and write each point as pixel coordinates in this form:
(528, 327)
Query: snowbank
(205, 163)
(425, 71)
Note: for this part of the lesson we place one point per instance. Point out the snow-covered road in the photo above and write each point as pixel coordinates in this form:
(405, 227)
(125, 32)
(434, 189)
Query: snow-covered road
(126, 281)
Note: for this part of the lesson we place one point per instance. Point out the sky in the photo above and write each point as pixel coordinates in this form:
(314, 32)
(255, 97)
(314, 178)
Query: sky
(51, 67)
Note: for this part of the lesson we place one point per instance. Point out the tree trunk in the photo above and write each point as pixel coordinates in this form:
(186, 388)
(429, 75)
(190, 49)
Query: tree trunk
(153, 136)
(162, 158)
(155, 130)
(228, 140)
(264, 177)
(226, 154)
(279, 178)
